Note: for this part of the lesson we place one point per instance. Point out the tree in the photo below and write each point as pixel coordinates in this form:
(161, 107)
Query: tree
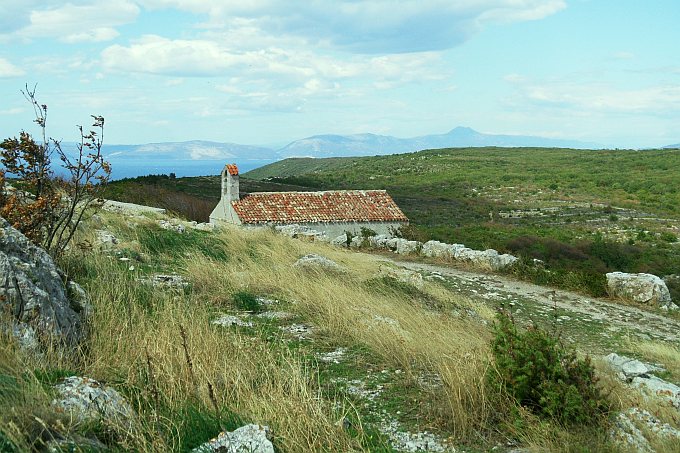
(48, 209)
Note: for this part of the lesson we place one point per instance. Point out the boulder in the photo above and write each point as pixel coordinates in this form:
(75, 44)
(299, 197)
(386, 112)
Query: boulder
(86, 399)
(626, 368)
(32, 291)
(642, 288)
(340, 241)
(436, 249)
(639, 375)
(379, 241)
(105, 240)
(404, 246)
(178, 227)
(626, 430)
(652, 385)
(315, 261)
(246, 439)
(488, 259)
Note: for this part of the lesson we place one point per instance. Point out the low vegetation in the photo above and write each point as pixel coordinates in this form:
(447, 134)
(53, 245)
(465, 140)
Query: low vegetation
(411, 358)
(567, 208)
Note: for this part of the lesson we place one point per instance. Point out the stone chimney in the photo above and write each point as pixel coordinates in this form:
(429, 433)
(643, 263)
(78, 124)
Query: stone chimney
(230, 189)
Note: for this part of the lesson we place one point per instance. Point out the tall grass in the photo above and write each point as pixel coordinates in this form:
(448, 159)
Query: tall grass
(343, 307)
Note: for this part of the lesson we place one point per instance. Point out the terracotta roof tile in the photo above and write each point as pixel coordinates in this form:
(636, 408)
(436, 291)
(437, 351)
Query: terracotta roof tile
(313, 207)
(232, 169)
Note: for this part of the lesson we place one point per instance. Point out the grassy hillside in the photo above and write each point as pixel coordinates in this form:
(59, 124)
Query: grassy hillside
(414, 359)
(583, 212)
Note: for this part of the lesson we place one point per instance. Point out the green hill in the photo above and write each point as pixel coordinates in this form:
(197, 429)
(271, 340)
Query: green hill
(579, 210)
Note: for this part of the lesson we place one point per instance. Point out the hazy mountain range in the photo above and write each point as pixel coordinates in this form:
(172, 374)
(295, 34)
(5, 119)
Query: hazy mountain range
(333, 146)
(198, 157)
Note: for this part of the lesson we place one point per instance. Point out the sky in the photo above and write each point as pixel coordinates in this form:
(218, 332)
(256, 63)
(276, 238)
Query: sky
(267, 72)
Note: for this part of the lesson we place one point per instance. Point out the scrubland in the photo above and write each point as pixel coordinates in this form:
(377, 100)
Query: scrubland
(412, 362)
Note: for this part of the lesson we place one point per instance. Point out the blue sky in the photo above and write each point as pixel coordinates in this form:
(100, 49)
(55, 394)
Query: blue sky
(269, 72)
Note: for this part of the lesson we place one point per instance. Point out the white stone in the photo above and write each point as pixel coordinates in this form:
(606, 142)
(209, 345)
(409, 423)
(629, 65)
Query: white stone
(105, 240)
(642, 288)
(406, 247)
(229, 320)
(166, 225)
(246, 439)
(658, 387)
(379, 241)
(316, 261)
(627, 432)
(340, 241)
(436, 249)
(87, 399)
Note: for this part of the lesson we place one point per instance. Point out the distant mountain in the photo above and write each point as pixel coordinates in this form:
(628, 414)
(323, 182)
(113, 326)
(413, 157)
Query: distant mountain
(198, 157)
(676, 146)
(372, 144)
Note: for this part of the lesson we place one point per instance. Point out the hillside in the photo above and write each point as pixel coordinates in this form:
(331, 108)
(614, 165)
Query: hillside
(571, 208)
(197, 332)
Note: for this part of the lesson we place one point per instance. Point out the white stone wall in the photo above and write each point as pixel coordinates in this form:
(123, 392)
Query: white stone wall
(333, 230)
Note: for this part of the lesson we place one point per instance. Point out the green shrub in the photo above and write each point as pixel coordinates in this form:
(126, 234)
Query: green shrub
(536, 370)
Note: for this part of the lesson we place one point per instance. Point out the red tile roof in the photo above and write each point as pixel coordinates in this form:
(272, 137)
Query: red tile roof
(232, 169)
(313, 207)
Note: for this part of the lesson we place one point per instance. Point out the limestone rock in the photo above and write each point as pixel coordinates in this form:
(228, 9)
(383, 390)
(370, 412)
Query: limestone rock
(246, 439)
(178, 227)
(379, 241)
(404, 246)
(436, 249)
(642, 288)
(626, 429)
(316, 261)
(340, 241)
(230, 320)
(87, 400)
(166, 280)
(407, 276)
(105, 240)
(658, 387)
(33, 292)
(627, 368)
(488, 259)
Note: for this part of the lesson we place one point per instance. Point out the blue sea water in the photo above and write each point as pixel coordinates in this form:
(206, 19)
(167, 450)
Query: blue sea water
(130, 168)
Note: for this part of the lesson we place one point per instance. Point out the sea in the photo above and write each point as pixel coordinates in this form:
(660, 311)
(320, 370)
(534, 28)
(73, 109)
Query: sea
(131, 168)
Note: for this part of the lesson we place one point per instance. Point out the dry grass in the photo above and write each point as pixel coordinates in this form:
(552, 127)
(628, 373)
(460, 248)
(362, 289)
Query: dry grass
(660, 352)
(352, 306)
(140, 345)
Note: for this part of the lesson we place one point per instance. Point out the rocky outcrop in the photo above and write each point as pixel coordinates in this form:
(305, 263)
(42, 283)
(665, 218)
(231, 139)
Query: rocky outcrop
(249, 438)
(642, 288)
(313, 261)
(86, 399)
(639, 375)
(627, 430)
(32, 292)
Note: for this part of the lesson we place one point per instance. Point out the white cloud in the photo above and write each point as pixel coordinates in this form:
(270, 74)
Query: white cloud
(71, 22)
(7, 69)
(376, 26)
(590, 98)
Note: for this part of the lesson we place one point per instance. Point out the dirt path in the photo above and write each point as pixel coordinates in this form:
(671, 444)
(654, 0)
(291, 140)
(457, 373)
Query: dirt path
(578, 314)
